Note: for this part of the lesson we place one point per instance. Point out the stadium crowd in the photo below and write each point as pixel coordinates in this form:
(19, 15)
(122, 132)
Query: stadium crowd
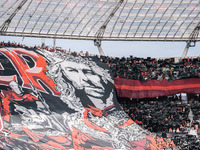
(159, 115)
(168, 117)
(153, 69)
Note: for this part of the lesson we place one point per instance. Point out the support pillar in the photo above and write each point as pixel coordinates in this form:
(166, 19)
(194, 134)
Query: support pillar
(98, 44)
(42, 42)
(188, 45)
(54, 43)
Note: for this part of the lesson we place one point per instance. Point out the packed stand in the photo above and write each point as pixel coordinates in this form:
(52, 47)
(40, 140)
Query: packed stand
(164, 114)
(153, 69)
(186, 142)
(195, 107)
(167, 117)
(165, 143)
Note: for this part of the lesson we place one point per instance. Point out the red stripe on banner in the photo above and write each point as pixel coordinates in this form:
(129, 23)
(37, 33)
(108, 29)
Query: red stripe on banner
(155, 88)
(158, 88)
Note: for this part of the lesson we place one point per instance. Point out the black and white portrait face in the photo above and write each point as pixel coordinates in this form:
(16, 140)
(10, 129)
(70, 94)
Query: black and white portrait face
(89, 79)
(92, 81)
(83, 77)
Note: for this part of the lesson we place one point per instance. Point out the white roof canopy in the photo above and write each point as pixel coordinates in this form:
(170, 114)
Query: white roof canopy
(144, 20)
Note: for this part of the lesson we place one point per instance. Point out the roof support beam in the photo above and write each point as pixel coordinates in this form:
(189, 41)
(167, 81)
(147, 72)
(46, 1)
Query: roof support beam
(6, 24)
(54, 43)
(42, 42)
(98, 44)
(188, 45)
(100, 32)
(192, 40)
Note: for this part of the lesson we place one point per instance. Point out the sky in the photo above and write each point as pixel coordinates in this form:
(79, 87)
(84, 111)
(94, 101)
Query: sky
(143, 49)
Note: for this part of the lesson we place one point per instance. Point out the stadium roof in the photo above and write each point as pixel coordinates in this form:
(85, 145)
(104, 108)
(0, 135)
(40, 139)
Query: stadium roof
(146, 20)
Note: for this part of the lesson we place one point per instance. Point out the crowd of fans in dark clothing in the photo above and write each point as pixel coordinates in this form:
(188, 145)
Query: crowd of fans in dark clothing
(167, 115)
(163, 114)
(195, 107)
(153, 69)
(186, 142)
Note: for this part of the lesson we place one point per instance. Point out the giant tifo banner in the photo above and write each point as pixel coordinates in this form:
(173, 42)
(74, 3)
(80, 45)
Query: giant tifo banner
(58, 101)
(155, 88)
